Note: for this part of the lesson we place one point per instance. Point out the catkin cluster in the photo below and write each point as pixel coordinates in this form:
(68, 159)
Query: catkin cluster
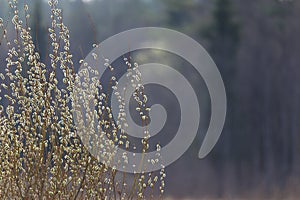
(42, 155)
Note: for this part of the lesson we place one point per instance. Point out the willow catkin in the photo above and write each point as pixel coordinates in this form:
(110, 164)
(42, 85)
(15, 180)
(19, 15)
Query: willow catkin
(41, 153)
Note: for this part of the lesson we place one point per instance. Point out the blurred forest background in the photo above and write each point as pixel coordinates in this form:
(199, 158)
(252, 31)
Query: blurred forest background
(256, 47)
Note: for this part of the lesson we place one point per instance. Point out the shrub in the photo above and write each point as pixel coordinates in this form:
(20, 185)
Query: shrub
(42, 156)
